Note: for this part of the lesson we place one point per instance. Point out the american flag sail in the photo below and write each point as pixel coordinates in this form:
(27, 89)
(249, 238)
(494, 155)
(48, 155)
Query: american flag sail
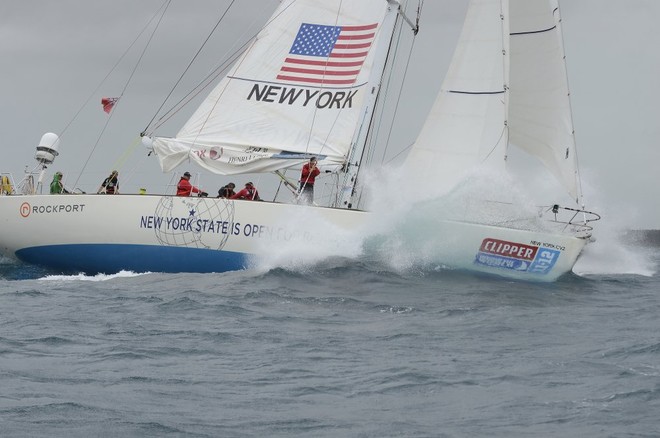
(328, 55)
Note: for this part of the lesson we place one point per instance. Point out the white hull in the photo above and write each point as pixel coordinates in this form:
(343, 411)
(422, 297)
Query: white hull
(104, 233)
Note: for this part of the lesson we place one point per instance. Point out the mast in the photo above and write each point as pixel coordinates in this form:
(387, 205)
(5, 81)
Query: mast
(356, 154)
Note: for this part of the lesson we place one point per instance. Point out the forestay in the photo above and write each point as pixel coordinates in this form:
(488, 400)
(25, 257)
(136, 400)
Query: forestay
(297, 91)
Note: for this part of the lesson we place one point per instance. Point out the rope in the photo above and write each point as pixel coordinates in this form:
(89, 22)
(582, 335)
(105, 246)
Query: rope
(190, 63)
(113, 68)
(403, 80)
(105, 126)
(203, 84)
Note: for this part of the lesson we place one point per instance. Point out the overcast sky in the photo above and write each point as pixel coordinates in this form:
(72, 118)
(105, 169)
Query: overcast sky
(55, 54)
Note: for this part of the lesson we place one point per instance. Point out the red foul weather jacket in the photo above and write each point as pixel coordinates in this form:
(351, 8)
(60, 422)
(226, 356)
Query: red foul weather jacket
(184, 188)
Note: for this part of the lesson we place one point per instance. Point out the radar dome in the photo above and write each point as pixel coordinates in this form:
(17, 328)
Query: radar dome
(47, 149)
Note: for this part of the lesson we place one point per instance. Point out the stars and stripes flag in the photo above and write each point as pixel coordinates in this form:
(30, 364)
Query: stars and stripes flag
(108, 103)
(329, 55)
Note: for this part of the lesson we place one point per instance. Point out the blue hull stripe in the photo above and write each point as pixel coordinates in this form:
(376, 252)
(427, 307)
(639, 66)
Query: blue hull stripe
(112, 258)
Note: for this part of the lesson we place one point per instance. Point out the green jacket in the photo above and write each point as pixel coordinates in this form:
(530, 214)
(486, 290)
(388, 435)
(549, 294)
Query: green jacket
(56, 186)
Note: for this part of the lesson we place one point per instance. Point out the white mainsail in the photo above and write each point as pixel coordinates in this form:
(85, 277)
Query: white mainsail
(297, 91)
(506, 84)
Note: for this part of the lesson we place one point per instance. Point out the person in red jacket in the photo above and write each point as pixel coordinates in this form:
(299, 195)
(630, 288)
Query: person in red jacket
(184, 188)
(309, 173)
(249, 192)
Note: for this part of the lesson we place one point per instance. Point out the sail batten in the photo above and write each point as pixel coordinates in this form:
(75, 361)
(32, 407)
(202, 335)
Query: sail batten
(529, 32)
(476, 92)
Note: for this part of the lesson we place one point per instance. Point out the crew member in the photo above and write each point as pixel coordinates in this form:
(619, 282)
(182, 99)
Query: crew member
(309, 173)
(110, 185)
(56, 186)
(227, 191)
(249, 192)
(184, 188)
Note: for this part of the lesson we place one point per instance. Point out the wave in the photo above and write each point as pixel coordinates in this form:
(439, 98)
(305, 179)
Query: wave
(97, 277)
(612, 253)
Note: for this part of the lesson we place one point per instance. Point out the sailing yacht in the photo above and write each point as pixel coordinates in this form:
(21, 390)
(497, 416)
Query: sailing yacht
(308, 86)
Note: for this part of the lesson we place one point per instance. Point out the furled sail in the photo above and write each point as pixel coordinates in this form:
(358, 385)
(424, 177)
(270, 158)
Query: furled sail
(297, 91)
(467, 123)
(539, 109)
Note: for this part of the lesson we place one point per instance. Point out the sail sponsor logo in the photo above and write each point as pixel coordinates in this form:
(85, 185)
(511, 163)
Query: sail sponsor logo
(508, 249)
(26, 209)
(190, 224)
(247, 156)
(302, 96)
(195, 225)
(497, 253)
(215, 153)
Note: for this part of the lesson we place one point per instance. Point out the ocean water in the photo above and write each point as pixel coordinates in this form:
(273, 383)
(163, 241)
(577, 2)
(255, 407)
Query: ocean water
(344, 347)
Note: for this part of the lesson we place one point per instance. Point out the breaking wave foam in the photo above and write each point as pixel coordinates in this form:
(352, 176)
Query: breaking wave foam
(609, 254)
(97, 277)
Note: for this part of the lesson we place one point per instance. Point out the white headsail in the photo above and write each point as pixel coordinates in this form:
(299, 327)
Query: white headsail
(506, 84)
(540, 120)
(297, 91)
(467, 124)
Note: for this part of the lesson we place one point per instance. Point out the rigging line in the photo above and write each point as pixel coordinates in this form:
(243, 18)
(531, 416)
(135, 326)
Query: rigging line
(190, 63)
(201, 86)
(277, 192)
(208, 80)
(128, 81)
(580, 194)
(105, 126)
(383, 91)
(185, 100)
(504, 129)
(352, 148)
(400, 152)
(506, 78)
(375, 130)
(146, 46)
(371, 132)
(316, 110)
(136, 164)
(420, 6)
(217, 101)
(119, 162)
(398, 101)
(114, 67)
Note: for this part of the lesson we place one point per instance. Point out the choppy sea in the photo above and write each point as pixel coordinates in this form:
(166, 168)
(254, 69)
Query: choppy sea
(346, 347)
